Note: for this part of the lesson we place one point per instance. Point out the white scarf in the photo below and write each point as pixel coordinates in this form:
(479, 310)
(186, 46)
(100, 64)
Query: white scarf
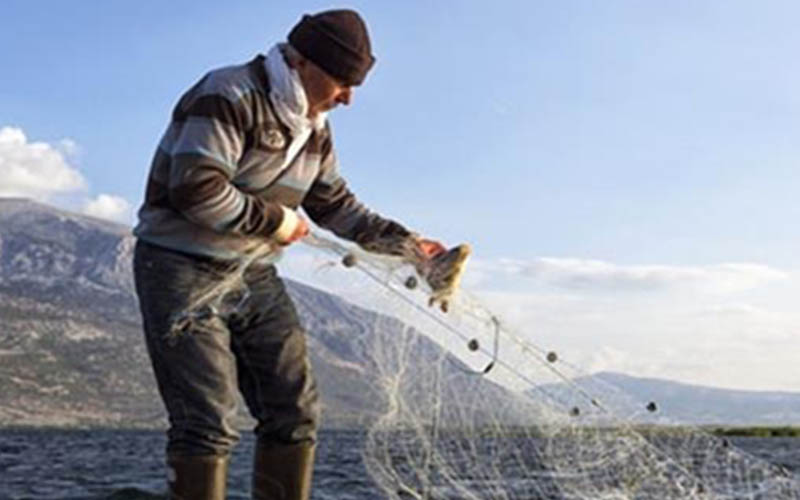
(289, 98)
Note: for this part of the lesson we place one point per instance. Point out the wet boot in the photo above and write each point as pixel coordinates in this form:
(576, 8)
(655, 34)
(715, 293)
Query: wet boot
(283, 472)
(197, 477)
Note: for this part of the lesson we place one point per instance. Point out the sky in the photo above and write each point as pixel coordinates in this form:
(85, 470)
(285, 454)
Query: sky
(626, 172)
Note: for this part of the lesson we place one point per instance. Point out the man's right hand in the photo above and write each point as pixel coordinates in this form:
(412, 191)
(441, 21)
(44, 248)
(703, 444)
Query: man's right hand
(430, 248)
(292, 228)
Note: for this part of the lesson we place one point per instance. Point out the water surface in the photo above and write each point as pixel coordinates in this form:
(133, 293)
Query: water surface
(128, 465)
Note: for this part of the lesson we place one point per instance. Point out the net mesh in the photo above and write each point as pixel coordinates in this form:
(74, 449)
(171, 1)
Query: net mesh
(469, 408)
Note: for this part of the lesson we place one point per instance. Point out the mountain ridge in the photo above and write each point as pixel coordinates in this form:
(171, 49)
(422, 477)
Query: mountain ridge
(72, 346)
(72, 349)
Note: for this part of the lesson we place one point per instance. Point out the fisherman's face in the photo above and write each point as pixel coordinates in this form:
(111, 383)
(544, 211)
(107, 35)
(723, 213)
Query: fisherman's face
(322, 90)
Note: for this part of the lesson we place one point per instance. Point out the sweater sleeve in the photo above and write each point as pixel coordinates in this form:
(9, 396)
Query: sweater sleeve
(208, 142)
(333, 206)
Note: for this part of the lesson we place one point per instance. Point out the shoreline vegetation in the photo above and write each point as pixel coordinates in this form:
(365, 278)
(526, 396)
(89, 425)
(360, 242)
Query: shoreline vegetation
(765, 431)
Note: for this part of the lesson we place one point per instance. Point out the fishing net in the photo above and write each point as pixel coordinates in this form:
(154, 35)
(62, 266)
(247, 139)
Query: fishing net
(464, 406)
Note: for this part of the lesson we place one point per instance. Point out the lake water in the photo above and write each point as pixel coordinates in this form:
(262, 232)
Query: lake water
(128, 465)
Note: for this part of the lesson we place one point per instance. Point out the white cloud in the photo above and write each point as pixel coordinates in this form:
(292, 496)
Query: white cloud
(35, 169)
(596, 275)
(728, 325)
(683, 335)
(69, 147)
(43, 172)
(109, 207)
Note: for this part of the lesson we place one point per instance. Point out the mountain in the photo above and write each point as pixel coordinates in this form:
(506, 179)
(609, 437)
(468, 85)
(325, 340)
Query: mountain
(665, 402)
(72, 350)
(71, 344)
(701, 405)
(71, 347)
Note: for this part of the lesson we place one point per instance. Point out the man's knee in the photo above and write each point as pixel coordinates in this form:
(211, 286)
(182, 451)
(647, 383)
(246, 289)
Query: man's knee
(201, 437)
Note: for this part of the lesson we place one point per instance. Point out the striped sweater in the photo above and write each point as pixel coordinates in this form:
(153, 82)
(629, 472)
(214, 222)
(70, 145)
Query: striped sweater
(220, 174)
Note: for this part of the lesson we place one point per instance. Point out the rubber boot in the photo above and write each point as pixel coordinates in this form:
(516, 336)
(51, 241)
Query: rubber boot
(283, 472)
(197, 477)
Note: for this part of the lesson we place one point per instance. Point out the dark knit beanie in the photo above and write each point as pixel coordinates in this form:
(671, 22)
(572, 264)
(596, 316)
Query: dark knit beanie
(336, 41)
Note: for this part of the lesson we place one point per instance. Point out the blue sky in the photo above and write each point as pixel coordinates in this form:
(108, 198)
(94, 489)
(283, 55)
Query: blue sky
(649, 137)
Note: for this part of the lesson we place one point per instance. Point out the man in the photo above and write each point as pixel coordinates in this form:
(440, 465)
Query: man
(247, 146)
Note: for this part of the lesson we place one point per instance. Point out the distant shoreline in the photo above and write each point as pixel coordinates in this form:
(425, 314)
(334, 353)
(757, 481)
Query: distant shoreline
(717, 430)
